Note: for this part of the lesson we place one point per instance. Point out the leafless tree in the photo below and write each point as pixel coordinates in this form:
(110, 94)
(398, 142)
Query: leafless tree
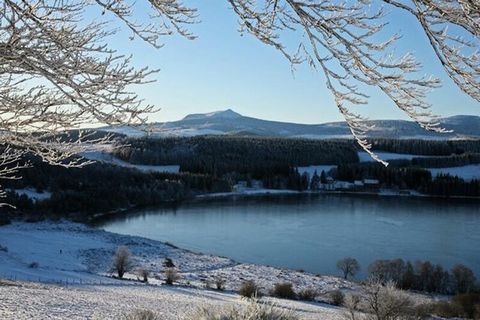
(349, 267)
(143, 274)
(341, 40)
(351, 303)
(463, 279)
(380, 302)
(122, 261)
(58, 73)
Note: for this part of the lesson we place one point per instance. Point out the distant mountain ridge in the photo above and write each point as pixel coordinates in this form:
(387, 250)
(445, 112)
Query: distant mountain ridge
(229, 122)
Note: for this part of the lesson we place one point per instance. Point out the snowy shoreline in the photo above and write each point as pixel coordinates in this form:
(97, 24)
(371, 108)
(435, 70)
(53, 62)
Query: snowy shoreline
(78, 258)
(66, 250)
(282, 192)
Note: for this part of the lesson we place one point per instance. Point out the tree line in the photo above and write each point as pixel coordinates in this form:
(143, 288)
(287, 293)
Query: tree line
(426, 147)
(102, 188)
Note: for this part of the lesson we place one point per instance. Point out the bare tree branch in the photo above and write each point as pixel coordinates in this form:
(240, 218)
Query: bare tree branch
(58, 73)
(341, 39)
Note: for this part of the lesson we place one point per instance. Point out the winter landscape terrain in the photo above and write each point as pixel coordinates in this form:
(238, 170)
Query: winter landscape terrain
(72, 278)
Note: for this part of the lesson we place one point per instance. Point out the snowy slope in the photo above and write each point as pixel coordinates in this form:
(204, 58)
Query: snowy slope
(467, 173)
(81, 256)
(109, 158)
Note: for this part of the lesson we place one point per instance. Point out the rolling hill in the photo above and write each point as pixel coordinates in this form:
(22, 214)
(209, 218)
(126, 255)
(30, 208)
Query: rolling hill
(229, 122)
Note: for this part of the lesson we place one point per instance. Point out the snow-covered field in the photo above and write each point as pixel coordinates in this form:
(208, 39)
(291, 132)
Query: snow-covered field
(468, 172)
(79, 258)
(39, 301)
(109, 158)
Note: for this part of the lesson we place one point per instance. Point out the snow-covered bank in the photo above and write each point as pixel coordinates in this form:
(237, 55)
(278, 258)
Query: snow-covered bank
(81, 256)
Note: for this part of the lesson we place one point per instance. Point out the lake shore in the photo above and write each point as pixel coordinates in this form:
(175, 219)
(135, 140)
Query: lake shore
(279, 192)
(79, 257)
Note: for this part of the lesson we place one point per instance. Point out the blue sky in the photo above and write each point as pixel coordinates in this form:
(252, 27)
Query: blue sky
(222, 69)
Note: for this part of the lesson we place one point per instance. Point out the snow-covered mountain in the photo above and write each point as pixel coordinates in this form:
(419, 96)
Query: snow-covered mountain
(229, 122)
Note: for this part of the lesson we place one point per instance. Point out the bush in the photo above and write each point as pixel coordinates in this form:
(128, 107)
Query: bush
(220, 283)
(207, 284)
(469, 303)
(168, 263)
(284, 291)
(337, 297)
(122, 261)
(385, 302)
(249, 289)
(254, 310)
(171, 276)
(34, 265)
(446, 309)
(142, 315)
(308, 294)
(143, 274)
(422, 311)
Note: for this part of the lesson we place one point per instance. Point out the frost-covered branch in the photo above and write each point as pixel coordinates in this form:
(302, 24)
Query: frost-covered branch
(58, 73)
(342, 39)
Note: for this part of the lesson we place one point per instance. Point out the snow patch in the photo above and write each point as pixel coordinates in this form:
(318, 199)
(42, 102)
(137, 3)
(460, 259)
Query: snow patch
(32, 194)
(365, 157)
(109, 158)
(468, 173)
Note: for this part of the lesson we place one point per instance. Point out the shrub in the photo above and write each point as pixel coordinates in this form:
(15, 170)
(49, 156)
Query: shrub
(171, 276)
(220, 283)
(142, 315)
(34, 265)
(168, 263)
(351, 303)
(422, 311)
(284, 291)
(385, 302)
(446, 309)
(468, 303)
(308, 294)
(122, 261)
(249, 289)
(337, 297)
(207, 284)
(143, 274)
(254, 310)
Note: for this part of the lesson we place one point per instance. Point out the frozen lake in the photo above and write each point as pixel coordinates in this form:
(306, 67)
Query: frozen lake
(313, 232)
